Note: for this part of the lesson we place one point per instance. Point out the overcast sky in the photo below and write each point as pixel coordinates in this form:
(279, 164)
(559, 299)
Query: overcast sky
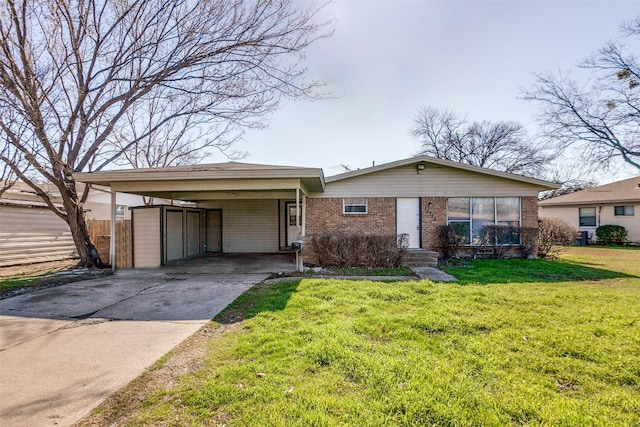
(389, 58)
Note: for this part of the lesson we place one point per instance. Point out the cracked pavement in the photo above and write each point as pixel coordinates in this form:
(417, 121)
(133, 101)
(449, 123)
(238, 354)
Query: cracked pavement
(64, 350)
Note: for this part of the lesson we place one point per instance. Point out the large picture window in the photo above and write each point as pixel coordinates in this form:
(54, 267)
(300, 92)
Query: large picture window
(471, 216)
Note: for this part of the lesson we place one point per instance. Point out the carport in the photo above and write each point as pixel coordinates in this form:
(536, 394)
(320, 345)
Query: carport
(230, 208)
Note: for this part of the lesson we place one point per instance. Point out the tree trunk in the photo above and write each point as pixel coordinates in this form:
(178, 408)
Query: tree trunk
(87, 252)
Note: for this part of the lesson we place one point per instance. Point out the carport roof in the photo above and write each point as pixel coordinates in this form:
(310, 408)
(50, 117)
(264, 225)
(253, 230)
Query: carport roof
(191, 182)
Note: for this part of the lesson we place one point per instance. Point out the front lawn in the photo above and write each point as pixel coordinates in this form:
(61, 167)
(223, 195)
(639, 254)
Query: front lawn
(543, 344)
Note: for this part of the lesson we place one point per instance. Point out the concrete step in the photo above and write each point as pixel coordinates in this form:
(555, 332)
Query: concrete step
(420, 258)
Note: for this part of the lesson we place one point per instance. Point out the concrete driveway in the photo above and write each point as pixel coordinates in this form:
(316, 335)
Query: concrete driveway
(64, 350)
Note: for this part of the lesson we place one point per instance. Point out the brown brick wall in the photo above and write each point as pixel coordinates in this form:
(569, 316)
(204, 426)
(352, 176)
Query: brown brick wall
(529, 211)
(325, 216)
(434, 214)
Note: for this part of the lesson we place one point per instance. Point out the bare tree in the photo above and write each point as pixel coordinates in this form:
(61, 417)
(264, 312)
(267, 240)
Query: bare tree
(187, 140)
(77, 76)
(600, 117)
(503, 146)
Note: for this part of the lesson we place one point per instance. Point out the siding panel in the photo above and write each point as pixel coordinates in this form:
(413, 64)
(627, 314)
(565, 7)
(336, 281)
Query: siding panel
(434, 181)
(33, 234)
(146, 237)
(248, 225)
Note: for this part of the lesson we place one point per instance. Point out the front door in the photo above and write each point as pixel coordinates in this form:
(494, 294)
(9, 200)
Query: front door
(408, 219)
(293, 230)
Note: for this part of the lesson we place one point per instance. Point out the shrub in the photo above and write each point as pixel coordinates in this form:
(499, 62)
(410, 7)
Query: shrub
(357, 250)
(554, 232)
(450, 237)
(611, 234)
(500, 238)
(529, 236)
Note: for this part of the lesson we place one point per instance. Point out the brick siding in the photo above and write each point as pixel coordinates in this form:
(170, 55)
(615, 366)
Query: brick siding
(434, 215)
(325, 216)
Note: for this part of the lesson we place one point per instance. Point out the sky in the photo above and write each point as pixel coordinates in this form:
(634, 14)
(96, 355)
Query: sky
(387, 59)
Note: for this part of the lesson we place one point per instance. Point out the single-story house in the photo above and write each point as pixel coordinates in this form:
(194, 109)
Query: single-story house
(617, 203)
(30, 232)
(249, 208)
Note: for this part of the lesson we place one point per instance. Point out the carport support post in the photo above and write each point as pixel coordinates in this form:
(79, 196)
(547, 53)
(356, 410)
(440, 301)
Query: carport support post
(304, 216)
(299, 263)
(112, 238)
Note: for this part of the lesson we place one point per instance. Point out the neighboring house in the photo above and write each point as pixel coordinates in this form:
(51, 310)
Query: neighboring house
(241, 208)
(617, 203)
(30, 232)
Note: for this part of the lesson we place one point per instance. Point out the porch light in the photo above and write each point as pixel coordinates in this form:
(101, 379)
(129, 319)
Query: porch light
(420, 167)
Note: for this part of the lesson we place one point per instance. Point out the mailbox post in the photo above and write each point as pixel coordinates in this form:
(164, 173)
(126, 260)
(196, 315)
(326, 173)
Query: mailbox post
(297, 246)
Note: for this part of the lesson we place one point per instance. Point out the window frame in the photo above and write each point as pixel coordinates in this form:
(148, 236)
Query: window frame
(624, 210)
(471, 239)
(355, 203)
(123, 209)
(582, 222)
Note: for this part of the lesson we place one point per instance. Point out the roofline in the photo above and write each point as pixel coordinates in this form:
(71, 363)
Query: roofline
(200, 173)
(160, 174)
(549, 202)
(443, 162)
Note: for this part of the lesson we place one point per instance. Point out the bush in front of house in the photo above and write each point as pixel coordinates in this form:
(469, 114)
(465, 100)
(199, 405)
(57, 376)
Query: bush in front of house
(611, 234)
(502, 240)
(344, 250)
(450, 237)
(528, 242)
(554, 233)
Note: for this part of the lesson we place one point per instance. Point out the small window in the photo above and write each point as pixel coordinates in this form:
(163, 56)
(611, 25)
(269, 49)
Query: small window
(120, 211)
(587, 217)
(354, 206)
(293, 216)
(623, 210)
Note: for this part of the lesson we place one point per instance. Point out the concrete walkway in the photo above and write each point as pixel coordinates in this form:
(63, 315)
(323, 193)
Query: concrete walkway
(64, 350)
(434, 274)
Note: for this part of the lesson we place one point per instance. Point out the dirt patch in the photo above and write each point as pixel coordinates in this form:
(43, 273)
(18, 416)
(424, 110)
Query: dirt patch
(121, 407)
(45, 275)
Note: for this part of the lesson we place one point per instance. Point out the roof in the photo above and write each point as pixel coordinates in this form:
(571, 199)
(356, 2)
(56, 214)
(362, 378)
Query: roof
(311, 178)
(545, 185)
(627, 190)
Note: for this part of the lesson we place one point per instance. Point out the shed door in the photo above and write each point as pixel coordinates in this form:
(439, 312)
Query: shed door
(408, 219)
(214, 231)
(193, 233)
(174, 235)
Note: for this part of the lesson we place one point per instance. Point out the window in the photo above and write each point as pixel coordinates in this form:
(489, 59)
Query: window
(587, 217)
(120, 211)
(623, 210)
(471, 216)
(459, 211)
(508, 219)
(293, 216)
(354, 206)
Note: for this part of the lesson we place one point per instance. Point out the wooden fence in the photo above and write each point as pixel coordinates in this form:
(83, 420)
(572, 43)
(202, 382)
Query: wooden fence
(100, 231)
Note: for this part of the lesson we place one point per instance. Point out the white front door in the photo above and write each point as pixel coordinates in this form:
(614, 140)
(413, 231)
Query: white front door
(293, 230)
(408, 219)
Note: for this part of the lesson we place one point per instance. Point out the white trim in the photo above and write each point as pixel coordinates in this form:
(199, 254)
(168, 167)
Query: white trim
(112, 238)
(355, 201)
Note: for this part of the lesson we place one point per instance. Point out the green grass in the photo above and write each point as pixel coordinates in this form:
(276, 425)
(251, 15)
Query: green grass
(574, 264)
(619, 259)
(563, 349)
(355, 271)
